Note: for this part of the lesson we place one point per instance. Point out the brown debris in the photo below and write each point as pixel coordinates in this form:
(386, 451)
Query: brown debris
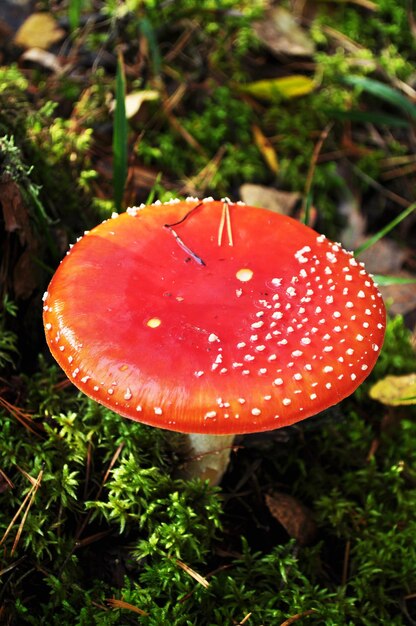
(294, 516)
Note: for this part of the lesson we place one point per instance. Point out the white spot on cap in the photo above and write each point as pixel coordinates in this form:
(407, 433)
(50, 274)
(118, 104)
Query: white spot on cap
(210, 414)
(244, 274)
(128, 394)
(213, 337)
(278, 381)
(286, 401)
(154, 322)
(256, 325)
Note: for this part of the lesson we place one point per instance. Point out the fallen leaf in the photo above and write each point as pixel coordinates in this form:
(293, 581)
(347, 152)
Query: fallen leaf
(43, 58)
(40, 30)
(280, 32)
(385, 256)
(395, 390)
(294, 516)
(266, 148)
(271, 89)
(17, 222)
(282, 202)
(401, 298)
(15, 212)
(135, 100)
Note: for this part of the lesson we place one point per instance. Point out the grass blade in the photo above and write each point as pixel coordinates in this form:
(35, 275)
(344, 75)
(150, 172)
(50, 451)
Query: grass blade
(384, 92)
(380, 119)
(385, 281)
(383, 232)
(120, 136)
(149, 33)
(74, 13)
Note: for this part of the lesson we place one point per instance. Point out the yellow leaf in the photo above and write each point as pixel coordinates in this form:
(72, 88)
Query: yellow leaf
(266, 148)
(395, 390)
(275, 88)
(40, 30)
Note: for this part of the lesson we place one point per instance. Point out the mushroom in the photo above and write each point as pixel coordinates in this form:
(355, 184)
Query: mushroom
(212, 318)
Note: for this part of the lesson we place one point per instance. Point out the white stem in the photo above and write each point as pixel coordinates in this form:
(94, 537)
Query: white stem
(207, 456)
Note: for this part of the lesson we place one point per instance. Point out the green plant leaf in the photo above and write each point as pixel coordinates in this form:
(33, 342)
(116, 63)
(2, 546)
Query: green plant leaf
(384, 281)
(120, 136)
(368, 116)
(384, 92)
(383, 232)
(148, 31)
(74, 13)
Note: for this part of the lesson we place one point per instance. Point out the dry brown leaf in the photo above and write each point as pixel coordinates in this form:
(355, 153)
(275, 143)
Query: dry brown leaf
(401, 299)
(15, 213)
(266, 148)
(384, 257)
(40, 30)
(294, 516)
(282, 202)
(17, 221)
(280, 32)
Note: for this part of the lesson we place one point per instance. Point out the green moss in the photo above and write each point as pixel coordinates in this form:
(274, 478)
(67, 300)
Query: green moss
(221, 125)
(386, 26)
(85, 519)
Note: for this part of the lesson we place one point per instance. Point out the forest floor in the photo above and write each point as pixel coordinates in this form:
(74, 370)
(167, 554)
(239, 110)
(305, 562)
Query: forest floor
(305, 108)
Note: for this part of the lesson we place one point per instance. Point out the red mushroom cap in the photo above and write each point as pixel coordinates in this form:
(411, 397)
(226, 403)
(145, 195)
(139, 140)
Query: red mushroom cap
(212, 317)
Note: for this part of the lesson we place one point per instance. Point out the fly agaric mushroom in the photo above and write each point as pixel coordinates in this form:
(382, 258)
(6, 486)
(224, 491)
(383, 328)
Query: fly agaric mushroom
(212, 318)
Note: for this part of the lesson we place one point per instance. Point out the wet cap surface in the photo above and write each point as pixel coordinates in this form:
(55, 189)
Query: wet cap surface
(175, 327)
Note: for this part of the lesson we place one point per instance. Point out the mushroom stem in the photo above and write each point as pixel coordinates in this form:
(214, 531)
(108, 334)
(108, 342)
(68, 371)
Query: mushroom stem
(208, 456)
